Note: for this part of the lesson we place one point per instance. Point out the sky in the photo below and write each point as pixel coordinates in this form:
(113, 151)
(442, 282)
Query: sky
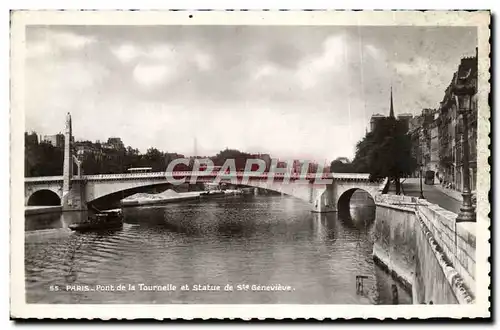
(296, 92)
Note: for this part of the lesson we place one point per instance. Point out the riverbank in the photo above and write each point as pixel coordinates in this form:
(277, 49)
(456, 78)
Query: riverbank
(40, 209)
(422, 247)
(171, 196)
(168, 196)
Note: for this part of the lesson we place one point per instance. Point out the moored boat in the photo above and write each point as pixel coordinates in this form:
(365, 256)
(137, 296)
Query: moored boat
(110, 219)
(218, 193)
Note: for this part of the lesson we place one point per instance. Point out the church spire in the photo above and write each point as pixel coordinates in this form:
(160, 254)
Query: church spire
(391, 113)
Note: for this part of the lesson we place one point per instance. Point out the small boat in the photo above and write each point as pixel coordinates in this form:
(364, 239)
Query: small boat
(110, 219)
(212, 193)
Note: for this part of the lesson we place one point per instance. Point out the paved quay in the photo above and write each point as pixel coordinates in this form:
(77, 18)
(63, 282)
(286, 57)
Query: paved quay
(432, 193)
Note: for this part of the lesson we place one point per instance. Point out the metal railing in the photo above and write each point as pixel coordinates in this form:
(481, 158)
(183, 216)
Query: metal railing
(239, 174)
(43, 178)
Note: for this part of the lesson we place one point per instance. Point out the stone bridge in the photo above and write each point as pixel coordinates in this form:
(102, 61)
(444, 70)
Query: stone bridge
(75, 192)
(325, 195)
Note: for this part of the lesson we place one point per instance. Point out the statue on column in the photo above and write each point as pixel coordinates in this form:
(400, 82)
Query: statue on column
(78, 165)
(67, 163)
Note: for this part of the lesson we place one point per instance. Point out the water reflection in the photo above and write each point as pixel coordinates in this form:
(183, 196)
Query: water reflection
(361, 211)
(324, 226)
(254, 240)
(53, 220)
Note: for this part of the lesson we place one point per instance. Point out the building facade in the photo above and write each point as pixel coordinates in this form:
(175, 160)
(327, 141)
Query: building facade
(84, 147)
(374, 120)
(434, 146)
(437, 135)
(405, 118)
(451, 128)
(421, 129)
(114, 143)
(57, 140)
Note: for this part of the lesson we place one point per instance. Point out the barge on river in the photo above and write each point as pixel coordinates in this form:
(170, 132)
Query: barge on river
(103, 220)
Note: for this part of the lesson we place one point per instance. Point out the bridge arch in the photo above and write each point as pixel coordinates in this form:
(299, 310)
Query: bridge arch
(344, 200)
(112, 197)
(44, 197)
(360, 217)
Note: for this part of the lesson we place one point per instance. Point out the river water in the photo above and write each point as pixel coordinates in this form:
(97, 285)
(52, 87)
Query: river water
(270, 249)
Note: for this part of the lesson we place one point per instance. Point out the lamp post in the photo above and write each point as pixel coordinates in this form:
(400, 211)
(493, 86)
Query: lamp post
(421, 190)
(463, 98)
(421, 164)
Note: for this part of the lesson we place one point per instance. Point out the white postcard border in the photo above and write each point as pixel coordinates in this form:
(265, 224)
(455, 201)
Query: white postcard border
(20, 19)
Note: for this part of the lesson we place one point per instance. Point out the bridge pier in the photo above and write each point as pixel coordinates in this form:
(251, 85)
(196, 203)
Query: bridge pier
(75, 199)
(321, 205)
(323, 202)
(324, 209)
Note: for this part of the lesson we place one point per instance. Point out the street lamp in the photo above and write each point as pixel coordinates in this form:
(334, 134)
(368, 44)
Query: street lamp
(421, 190)
(421, 164)
(463, 98)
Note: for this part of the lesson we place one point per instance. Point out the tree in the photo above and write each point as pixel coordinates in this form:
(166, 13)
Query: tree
(239, 157)
(363, 149)
(155, 158)
(386, 152)
(341, 165)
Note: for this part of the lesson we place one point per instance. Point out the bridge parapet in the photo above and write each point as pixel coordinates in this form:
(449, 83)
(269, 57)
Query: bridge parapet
(42, 179)
(155, 175)
(350, 176)
(178, 174)
(118, 176)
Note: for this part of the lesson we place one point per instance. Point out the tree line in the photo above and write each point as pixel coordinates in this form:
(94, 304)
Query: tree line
(44, 159)
(384, 153)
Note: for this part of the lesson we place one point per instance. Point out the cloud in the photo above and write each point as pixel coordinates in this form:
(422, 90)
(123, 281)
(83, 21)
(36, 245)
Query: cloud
(51, 43)
(374, 52)
(264, 71)
(161, 52)
(153, 74)
(290, 91)
(428, 80)
(203, 61)
(71, 40)
(314, 68)
(126, 52)
(162, 62)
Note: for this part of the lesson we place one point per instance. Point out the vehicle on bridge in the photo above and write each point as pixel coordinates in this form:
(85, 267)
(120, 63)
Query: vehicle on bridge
(140, 169)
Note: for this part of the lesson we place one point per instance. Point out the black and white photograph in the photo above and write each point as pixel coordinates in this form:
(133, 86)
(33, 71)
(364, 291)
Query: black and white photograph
(319, 164)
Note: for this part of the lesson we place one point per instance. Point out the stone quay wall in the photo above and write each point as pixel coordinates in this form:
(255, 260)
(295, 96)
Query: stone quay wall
(422, 246)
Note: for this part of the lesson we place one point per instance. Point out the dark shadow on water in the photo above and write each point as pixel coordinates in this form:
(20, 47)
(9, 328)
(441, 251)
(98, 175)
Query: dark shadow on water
(43, 221)
(325, 225)
(356, 209)
(56, 220)
(358, 217)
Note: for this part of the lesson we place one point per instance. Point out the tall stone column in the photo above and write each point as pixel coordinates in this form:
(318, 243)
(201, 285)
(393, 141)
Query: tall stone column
(67, 164)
